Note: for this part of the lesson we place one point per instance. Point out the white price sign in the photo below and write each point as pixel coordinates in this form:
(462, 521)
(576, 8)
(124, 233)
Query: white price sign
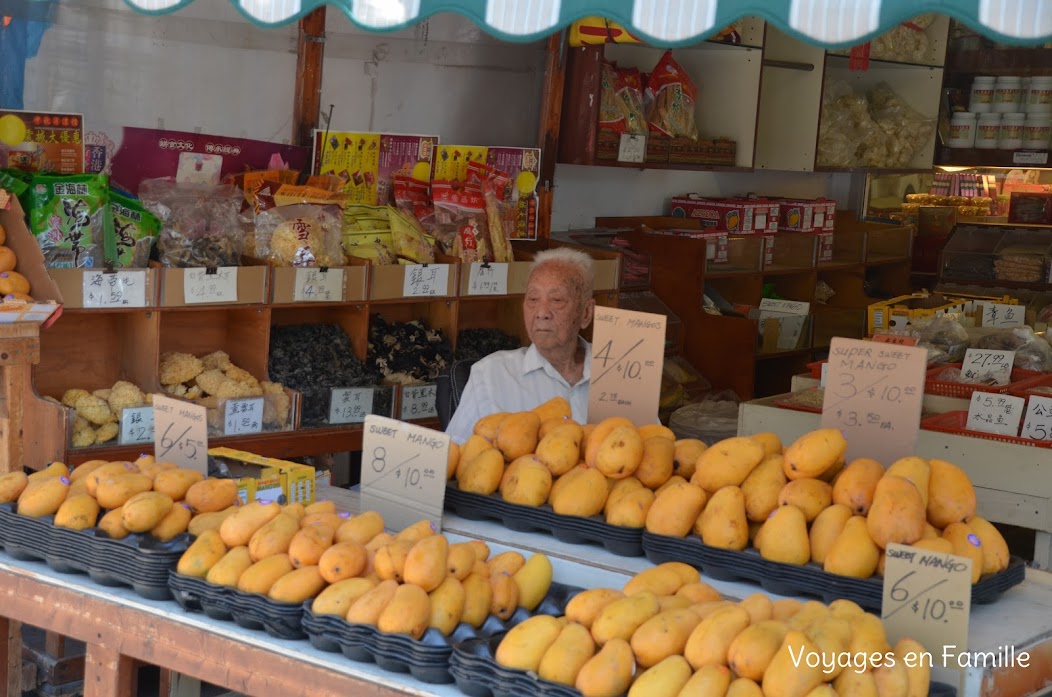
(628, 355)
(119, 289)
(632, 148)
(180, 433)
(1038, 422)
(998, 315)
(136, 425)
(212, 285)
(987, 367)
(350, 405)
(928, 597)
(488, 279)
(320, 285)
(995, 413)
(791, 316)
(243, 416)
(418, 402)
(403, 472)
(426, 280)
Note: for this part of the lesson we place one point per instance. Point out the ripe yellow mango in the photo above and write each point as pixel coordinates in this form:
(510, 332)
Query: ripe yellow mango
(144, 511)
(111, 524)
(688, 451)
(417, 531)
(663, 635)
(723, 523)
(826, 528)
(563, 660)
(770, 442)
(471, 448)
(176, 482)
(621, 618)
(784, 678)
(620, 453)
(77, 512)
(727, 463)
(175, 522)
(447, 605)
(580, 492)
(916, 470)
(658, 461)
(273, 537)
(343, 560)
(263, 574)
(338, 598)
(517, 435)
(84, 469)
(12, 485)
(966, 544)
(609, 672)
(389, 560)
(659, 580)
(481, 474)
(42, 497)
(533, 579)
(524, 646)
(897, 513)
(631, 509)
(759, 607)
(361, 528)
(620, 488)
(208, 521)
(710, 640)
(408, 612)
(867, 635)
(813, 453)
(742, 687)
(751, 651)
(675, 510)
(210, 495)
(918, 672)
(425, 564)
(648, 431)
(995, 550)
(892, 680)
(114, 492)
(850, 682)
(307, 545)
(812, 496)
(586, 606)
(110, 469)
(784, 537)
(762, 487)
(951, 496)
(832, 636)
(55, 469)
(666, 678)
(853, 552)
(598, 433)
(708, 681)
(698, 592)
(452, 460)
(227, 571)
(202, 554)
(560, 448)
(367, 608)
(461, 560)
(487, 426)
(784, 609)
(526, 482)
(478, 596)
(504, 595)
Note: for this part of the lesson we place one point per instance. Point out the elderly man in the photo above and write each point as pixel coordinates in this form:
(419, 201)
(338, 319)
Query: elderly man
(557, 306)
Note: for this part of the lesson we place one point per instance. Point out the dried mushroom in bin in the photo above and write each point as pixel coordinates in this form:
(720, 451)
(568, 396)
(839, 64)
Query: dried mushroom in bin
(473, 344)
(408, 353)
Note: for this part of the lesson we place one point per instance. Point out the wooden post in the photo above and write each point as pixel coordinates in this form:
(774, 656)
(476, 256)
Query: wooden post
(548, 138)
(11, 658)
(19, 349)
(107, 673)
(309, 58)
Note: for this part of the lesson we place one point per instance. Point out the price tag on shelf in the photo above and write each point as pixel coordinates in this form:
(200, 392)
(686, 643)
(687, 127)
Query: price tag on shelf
(136, 425)
(1030, 157)
(632, 148)
(318, 285)
(896, 339)
(403, 472)
(987, 366)
(418, 402)
(180, 433)
(212, 285)
(243, 416)
(120, 289)
(425, 280)
(873, 396)
(488, 279)
(628, 355)
(792, 318)
(995, 413)
(1038, 422)
(350, 405)
(928, 597)
(998, 315)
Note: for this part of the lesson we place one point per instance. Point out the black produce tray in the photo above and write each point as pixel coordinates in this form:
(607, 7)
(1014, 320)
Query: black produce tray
(625, 542)
(787, 579)
(477, 674)
(248, 610)
(427, 659)
(139, 561)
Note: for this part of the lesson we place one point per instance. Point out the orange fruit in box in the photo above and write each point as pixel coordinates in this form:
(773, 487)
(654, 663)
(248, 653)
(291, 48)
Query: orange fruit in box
(3, 235)
(7, 259)
(13, 282)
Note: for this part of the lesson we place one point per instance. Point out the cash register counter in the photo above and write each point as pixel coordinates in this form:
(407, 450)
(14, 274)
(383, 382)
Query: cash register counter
(120, 628)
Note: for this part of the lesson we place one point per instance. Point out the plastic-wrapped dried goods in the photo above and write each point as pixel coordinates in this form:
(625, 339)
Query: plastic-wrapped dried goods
(460, 210)
(409, 240)
(1032, 352)
(943, 333)
(674, 94)
(302, 235)
(376, 254)
(69, 216)
(134, 232)
(500, 214)
(200, 222)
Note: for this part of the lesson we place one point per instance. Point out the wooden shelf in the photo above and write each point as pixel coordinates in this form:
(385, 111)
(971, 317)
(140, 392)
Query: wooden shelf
(837, 59)
(994, 283)
(873, 170)
(982, 157)
(657, 165)
(1001, 61)
(776, 270)
(883, 261)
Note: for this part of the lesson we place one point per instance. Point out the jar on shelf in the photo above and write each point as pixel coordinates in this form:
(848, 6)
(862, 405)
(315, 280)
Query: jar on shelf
(962, 130)
(1010, 135)
(1037, 131)
(1039, 95)
(1008, 94)
(987, 130)
(981, 100)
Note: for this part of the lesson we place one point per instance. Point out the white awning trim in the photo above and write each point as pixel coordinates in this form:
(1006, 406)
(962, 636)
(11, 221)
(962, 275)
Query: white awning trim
(1029, 19)
(674, 20)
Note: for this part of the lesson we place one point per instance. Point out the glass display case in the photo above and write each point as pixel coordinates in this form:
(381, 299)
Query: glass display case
(997, 254)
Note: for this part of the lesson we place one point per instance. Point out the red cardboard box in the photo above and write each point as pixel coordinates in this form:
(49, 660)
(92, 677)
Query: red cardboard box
(735, 215)
(806, 215)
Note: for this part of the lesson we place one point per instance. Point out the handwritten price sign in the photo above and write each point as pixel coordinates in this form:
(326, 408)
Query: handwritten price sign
(1038, 422)
(998, 315)
(987, 366)
(425, 280)
(243, 416)
(419, 402)
(216, 285)
(873, 395)
(120, 289)
(403, 471)
(628, 354)
(180, 433)
(318, 285)
(488, 279)
(927, 597)
(136, 425)
(995, 413)
(350, 405)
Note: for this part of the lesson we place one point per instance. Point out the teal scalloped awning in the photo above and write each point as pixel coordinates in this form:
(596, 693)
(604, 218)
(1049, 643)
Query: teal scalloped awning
(831, 23)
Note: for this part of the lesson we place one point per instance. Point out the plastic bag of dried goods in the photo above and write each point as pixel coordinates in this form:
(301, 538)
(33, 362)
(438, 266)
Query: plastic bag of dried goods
(134, 230)
(672, 113)
(460, 211)
(1032, 352)
(69, 216)
(302, 235)
(200, 224)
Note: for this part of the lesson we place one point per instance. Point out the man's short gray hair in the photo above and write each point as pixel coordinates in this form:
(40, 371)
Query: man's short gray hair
(579, 261)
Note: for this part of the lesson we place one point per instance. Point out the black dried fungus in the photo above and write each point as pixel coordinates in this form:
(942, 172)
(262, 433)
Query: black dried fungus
(409, 352)
(473, 344)
(314, 359)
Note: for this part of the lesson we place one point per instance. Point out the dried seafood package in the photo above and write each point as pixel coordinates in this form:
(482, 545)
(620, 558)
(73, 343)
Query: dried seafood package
(674, 95)
(200, 222)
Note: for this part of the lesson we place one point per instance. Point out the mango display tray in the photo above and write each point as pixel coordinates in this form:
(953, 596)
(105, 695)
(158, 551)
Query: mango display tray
(427, 659)
(139, 561)
(625, 542)
(787, 579)
(477, 674)
(248, 610)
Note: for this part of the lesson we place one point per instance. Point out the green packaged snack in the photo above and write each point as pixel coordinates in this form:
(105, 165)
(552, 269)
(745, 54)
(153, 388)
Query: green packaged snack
(68, 214)
(14, 181)
(133, 232)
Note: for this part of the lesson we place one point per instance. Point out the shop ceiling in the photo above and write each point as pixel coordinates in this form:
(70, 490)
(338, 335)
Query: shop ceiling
(830, 23)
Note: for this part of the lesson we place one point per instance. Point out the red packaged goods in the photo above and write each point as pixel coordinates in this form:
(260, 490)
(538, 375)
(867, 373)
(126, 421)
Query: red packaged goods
(806, 214)
(737, 215)
(674, 94)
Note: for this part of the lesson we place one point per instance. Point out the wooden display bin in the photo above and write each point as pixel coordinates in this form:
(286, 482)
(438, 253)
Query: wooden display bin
(790, 251)
(518, 275)
(504, 314)
(886, 243)
(243, 332)
(75, 295)
(849, 248)
(252, 286)
(284, 282)
(45, 292)
(387, 281)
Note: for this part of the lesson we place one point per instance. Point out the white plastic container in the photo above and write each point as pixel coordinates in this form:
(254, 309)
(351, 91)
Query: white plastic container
(1008, 94)
(1039, 95)
(1010, 135)
(962, 130)
(1037, 131)
(987, 131)
(982, 97)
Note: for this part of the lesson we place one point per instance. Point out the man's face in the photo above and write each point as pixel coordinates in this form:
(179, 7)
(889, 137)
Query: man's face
(552, 309)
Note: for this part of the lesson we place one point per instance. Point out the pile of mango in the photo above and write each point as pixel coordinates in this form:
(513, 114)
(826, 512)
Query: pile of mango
(805, 505)
(666, 632)
(145, 496)
(400, 583)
